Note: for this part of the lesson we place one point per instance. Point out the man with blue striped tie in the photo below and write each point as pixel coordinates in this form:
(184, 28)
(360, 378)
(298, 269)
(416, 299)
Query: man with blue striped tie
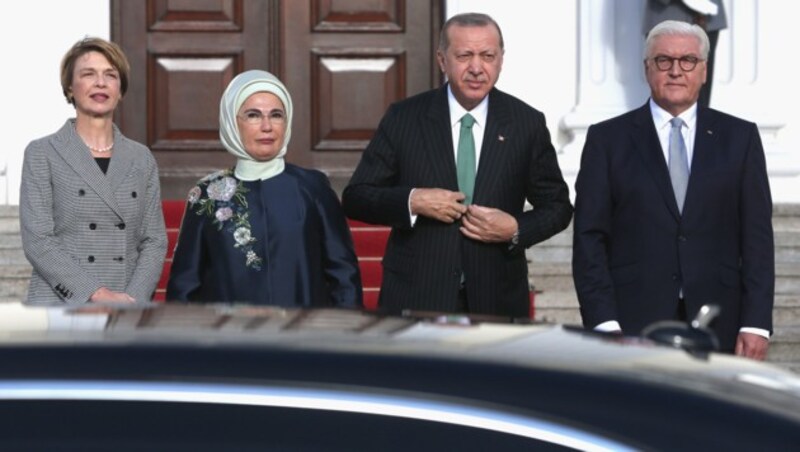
(673, 208)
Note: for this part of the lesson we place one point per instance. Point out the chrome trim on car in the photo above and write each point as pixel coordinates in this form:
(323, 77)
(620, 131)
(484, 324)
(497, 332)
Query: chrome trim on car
(357, 400)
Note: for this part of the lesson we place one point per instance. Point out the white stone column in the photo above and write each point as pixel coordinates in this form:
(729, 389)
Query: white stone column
(610, 74)
(749, 81)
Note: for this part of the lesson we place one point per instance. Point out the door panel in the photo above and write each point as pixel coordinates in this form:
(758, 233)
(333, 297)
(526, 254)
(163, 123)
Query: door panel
(343, 61)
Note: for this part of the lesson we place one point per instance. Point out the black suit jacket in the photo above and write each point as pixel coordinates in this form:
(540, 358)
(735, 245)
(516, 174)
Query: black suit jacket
(633, 251)
(423, 264)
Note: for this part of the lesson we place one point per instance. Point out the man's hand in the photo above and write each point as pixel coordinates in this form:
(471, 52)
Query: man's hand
(104, 295)
(438, 203)
(752, 346)
(487, 224)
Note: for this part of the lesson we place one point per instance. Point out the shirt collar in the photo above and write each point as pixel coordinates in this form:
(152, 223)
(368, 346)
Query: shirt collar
(662, 117)
(457, 111)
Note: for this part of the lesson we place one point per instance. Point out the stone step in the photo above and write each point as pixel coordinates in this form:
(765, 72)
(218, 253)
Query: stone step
(784, 345)
(538, 268)
(787, 238)
(9, 211)
(9, 225)
(787, 334)
(785, 315)
(555, 299)
(786, 227)
(11, 256)
(566, 315)
(786, 215)
(14, 281)
(787, 285)
(561, 255)
(9, 220)
(557, 277)
(787, 269)
(571, 315)
(552, 254)
(14, 289)
(10, 241)
(784, 287)
(553, 283)
(560, 305)
(787, 255)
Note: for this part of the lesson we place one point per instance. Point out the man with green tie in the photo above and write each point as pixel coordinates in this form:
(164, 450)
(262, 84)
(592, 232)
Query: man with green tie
(450, 171)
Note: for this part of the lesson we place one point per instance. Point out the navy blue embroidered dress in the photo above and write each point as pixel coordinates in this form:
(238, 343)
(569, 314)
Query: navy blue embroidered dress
(283, 241)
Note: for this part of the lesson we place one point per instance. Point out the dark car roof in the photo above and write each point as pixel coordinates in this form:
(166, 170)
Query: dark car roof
(562, 372)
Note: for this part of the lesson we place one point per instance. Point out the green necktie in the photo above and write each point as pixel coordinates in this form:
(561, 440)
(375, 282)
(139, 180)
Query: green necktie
(465, 160)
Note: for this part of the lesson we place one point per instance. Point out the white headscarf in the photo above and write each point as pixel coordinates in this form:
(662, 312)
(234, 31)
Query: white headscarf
(240, 88)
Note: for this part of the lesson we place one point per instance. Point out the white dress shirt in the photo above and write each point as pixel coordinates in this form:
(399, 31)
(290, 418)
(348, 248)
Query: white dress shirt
(479, 113)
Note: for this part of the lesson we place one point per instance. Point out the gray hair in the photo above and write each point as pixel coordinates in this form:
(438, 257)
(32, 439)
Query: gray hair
(677, 28)
(467, 20)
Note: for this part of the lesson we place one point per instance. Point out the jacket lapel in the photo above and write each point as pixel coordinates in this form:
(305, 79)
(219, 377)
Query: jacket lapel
(437, 131)
(122, 163)
(704, 152)
(494, 138)
(69, 145)
(645, 141)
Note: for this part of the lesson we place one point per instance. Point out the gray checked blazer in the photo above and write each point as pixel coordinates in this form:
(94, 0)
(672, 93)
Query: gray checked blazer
(82, 229)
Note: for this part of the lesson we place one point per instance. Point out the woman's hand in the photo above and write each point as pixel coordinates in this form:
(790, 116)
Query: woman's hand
(104, 295)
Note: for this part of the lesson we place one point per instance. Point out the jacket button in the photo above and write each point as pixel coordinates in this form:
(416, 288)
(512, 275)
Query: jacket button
(681, 238)
(81, 192)
(119, 259)
(133, 195)
(92, 226)
(121, 226)
(91, 259)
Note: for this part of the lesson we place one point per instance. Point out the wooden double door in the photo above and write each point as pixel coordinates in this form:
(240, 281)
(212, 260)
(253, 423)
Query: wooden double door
(343, 61)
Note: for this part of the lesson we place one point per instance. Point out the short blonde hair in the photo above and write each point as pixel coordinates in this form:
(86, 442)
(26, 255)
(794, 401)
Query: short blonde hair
(113, 53)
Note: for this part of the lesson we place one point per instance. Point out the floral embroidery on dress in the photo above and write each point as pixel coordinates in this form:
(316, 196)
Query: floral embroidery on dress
(227, 206)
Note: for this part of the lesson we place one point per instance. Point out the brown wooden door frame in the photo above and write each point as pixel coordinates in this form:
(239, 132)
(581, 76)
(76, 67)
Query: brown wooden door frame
(183, 56)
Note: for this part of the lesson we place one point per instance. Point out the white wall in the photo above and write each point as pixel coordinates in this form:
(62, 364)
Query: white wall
(541, 67)
(752, 78)
(755, 80)
(32, 41)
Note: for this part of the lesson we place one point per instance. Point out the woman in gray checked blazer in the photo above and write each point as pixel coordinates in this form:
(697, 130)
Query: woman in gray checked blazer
(90, 201)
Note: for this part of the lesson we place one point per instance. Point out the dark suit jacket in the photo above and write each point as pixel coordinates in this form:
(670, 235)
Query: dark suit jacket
(633, 251)
(423, 264)
(301, 238)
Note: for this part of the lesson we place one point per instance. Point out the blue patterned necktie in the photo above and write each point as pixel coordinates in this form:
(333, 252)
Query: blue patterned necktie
(465, 159)
(678, 162)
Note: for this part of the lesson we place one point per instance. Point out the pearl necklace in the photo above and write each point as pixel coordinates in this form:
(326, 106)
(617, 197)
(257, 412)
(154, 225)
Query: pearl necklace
(102, 150)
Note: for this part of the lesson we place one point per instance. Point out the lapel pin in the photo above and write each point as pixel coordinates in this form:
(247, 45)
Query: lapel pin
(501, 138)
(709, 132)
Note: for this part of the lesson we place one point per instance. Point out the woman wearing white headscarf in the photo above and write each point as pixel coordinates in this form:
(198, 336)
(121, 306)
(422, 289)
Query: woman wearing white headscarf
(265, 231)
